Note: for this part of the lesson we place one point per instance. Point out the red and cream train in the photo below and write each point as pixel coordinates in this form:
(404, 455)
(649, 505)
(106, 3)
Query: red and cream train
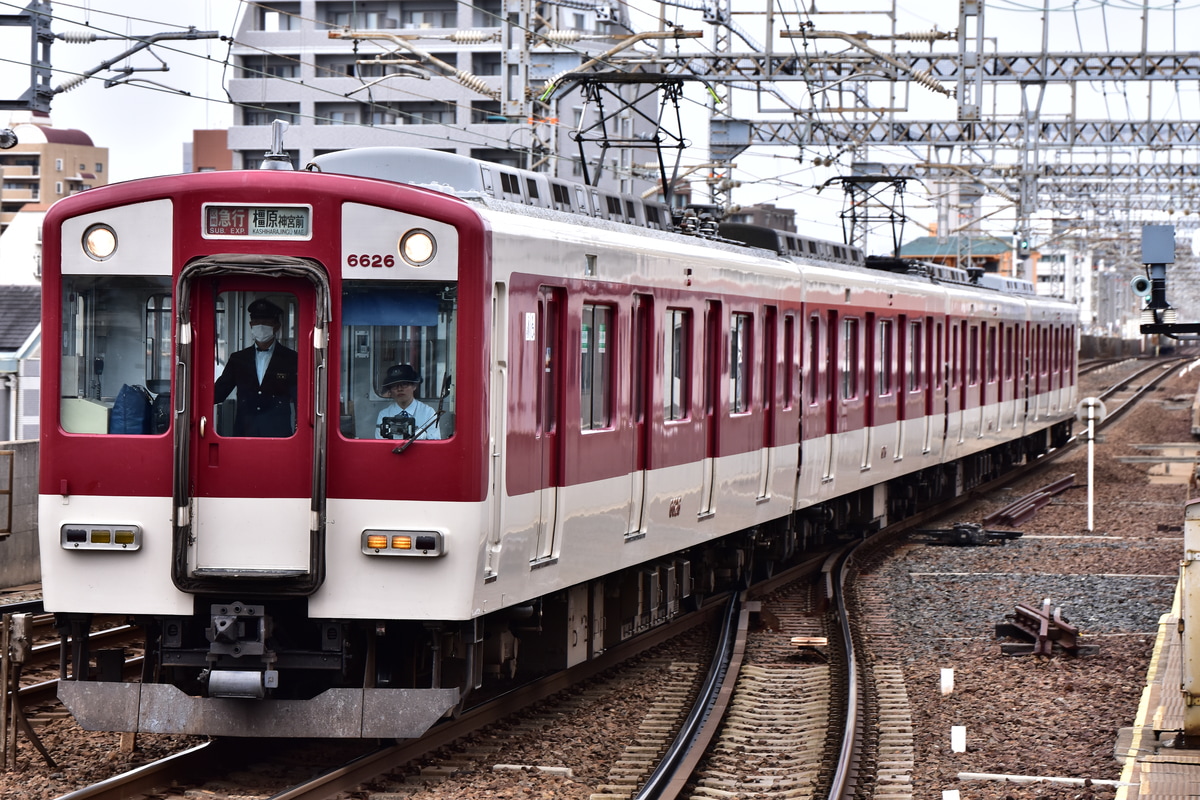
(631, 416)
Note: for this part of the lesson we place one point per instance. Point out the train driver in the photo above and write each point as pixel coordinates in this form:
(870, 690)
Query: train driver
(405, 415)
(264, 375)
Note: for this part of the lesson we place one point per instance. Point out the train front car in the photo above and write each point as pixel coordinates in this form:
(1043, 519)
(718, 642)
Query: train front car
(225, 354)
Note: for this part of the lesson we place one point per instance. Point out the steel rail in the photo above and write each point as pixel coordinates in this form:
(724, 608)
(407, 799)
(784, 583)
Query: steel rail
(1120, 411)
(684, 753)
(23, 607)
(198, 760)
(386, 758)
(1091, 365)
(1162, 365)
(844, 782)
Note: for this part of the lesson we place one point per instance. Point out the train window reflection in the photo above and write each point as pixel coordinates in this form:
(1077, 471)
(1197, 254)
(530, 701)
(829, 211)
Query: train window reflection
(740, 356)
(158, 343)
(409, 328)
(595, 368)
(105, 384)
(254, 393)
(849, 360)
(884, 365)
(677, 373)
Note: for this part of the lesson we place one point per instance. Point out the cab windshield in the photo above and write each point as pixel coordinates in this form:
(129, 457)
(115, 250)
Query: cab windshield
(398, 346)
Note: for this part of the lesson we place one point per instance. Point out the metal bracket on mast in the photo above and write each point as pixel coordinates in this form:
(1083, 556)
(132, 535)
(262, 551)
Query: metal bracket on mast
(864, 192)
(596, 87)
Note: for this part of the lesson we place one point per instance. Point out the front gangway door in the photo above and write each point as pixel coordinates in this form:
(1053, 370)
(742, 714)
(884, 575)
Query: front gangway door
(250, 425)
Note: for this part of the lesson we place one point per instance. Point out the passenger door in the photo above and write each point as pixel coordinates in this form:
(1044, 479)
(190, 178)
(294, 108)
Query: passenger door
(714, 374)
(550, 322)
(642, 380)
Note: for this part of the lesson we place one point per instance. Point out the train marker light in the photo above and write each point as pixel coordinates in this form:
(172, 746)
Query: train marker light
(99, 242)
(418, 247)
(100, 537)
(421, 544)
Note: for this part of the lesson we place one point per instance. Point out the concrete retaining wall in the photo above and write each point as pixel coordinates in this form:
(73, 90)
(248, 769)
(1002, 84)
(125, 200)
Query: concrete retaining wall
(19, 550)
(1109, 347)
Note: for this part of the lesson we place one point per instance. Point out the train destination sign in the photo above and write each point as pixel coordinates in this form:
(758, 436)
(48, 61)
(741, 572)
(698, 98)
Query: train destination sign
(257, 222)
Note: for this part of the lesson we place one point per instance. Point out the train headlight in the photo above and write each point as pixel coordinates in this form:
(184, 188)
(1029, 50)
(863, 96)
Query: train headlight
(422, 544)
(99, 242)
(100, 537)
(418, 247)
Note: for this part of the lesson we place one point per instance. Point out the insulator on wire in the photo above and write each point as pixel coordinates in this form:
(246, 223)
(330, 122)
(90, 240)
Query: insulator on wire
(70, 84)
(562, 37)
(472, 37)
(926, 36)
(925, 79)
(474, 82)
(76, 37)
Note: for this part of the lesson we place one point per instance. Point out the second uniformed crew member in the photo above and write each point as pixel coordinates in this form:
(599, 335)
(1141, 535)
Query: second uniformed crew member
(400, 383)
(264, 375)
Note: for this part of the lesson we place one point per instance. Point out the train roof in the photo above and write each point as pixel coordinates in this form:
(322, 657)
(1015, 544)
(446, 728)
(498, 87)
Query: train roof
(502, 187)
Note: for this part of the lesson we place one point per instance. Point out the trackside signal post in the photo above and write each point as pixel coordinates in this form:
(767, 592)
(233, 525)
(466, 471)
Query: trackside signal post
(1158, 250)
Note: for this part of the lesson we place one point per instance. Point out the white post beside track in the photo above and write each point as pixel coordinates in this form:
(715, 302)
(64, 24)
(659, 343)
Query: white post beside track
(1092, 411)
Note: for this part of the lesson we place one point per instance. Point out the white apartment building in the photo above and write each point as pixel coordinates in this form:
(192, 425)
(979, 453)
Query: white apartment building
(453, 75)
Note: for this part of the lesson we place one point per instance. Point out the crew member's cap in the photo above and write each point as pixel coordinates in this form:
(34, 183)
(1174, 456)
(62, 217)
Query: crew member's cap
(401, 373)
(265, 309)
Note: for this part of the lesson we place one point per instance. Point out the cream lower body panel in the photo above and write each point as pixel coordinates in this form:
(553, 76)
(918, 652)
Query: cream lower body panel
(109, 582)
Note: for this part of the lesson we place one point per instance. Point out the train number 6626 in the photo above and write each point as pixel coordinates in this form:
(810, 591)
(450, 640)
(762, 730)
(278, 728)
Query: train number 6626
(370, 260)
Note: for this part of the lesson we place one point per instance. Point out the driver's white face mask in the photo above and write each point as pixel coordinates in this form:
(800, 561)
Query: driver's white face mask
(262, 333)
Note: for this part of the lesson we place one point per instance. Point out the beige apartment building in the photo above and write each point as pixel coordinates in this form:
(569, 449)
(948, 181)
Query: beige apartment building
(47, 164)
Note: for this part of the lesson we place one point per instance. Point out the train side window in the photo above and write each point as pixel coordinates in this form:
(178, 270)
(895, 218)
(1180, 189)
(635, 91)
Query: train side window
(993, 355)
(973, 357)
(104, 354)
(849, 360)
(955, 366)
(914, 363)
(1056, 364)
(1040, 350)
(386, 324)
(791, 370)
(885, 357)
(1009, 353)
(814, 359)
(595, 367)
(939, 344)
(677, 372)
(741, 357)
(159, 356)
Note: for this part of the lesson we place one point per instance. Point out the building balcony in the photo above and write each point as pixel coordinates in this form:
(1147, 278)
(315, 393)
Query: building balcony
(11, 195)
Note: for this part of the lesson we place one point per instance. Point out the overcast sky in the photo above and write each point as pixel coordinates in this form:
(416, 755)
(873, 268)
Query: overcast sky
(144, 126)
